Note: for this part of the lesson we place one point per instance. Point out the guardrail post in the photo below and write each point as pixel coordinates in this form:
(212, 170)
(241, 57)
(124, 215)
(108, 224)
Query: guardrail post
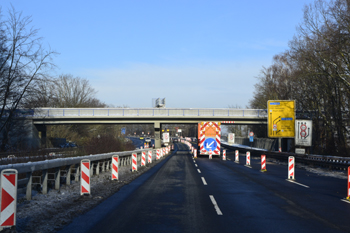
(57, 178)
(77, 168)
(45, 178)
(103, 166)
(69, 172)
(29, 186)
(91, 169)
(98, 168)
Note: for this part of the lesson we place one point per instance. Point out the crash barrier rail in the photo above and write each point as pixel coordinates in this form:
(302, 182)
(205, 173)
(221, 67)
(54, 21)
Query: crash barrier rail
(67, 169)
(333, 162)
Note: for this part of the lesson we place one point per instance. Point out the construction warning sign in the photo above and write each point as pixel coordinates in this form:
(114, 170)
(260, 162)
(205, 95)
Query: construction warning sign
(281, 118)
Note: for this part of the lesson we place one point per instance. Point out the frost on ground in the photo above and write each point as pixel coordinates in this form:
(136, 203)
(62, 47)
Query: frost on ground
(317, 170)
(52, 211)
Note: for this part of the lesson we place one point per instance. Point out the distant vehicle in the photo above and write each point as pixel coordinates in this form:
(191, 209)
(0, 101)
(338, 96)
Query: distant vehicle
(175, 140)
(147, 139)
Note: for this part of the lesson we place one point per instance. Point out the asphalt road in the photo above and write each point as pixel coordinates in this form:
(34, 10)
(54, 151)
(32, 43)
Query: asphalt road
(201, 195)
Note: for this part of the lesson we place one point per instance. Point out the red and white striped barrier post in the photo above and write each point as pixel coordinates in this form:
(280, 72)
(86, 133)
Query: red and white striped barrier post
(143, 159)
(157, 154)
(263, 163)
(192, 149)
(167, 150)
(134, 162)
(348, 197)
(279, 149)
(247, 158)
(223, 154)
(141, 147)
(195, 153)
(85, 177)
(153, 145)
(210, 154)
(164, 152)
(172, 147)
(237, 156)
(115, 166)
(291, 165)
(149, 156)
(8, 197)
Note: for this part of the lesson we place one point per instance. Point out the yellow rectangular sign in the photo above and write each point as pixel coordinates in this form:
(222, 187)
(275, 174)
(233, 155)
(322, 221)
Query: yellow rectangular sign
(281, 118)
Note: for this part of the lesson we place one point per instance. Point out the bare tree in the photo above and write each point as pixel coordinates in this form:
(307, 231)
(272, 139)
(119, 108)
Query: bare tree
(23, 62)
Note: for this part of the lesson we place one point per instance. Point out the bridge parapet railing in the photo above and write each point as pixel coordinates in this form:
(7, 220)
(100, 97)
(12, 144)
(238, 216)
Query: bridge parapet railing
(147, 112)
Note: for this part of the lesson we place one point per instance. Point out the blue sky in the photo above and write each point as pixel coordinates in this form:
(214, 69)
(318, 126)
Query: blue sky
(196, 54)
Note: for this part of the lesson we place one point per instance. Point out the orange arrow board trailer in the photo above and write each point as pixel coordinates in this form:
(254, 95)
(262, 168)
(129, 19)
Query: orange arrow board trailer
(209, 137)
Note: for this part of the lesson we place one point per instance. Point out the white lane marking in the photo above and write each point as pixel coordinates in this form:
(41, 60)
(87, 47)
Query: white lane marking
(345, 200)
(292, 181)
(199, 171)
(196, 165)
(204, 182)
(218, 211)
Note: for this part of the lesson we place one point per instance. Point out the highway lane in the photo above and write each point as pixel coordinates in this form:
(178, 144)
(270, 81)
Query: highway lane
(181, 197)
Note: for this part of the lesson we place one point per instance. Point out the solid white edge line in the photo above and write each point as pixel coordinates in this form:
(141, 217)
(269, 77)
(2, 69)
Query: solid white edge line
(292, 181)
(218, 211)
(345, 200)
(199, 171)
(204, 182)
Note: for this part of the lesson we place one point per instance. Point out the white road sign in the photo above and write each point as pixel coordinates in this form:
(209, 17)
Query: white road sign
(303, 132)
(166, 137)
(231, 138)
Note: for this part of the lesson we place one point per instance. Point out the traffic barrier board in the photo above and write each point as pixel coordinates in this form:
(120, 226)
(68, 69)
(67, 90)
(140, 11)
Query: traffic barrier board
(85, 177)
(8, 197)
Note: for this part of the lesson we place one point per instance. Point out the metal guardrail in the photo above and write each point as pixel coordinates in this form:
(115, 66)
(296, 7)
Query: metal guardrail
(145, 112)
(68, 165)
(320, 160)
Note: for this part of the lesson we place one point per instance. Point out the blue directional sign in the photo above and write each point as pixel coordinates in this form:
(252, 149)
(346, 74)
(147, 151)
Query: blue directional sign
(123, 130)
(251, 138)
(210, 144)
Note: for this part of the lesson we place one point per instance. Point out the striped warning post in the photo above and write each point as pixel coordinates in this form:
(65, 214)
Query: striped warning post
(149, 156)
(141, 148)
(291, 166)
(223, 154)
(247, 158)
(115, 166)
(143, 159)
(158, 154)
(210, 154)
(237, 156)
(166, 150)
(85, 176)
(263, 163)
(348, 197)
(192, 149)
(195, 153)
(172, 147)
(279, 149)
(8, 197)
(163, 152)
(134, 162)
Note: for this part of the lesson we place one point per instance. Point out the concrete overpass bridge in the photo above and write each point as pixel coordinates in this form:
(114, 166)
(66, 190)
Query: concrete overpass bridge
(157, 116)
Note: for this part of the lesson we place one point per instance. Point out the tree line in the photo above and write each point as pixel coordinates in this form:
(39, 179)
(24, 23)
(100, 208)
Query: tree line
(26, 82)
(315, 71)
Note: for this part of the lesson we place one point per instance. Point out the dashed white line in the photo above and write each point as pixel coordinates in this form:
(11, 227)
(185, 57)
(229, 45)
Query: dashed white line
(196, 165)
(204, 182)
(292, 181)
(199, 171)
(218, 211)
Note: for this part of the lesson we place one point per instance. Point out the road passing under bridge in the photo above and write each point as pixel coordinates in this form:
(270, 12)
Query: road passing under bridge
(202, 195)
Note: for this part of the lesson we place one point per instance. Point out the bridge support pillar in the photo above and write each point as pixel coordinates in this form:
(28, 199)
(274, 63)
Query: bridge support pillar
(157, 141)
(41, 134)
